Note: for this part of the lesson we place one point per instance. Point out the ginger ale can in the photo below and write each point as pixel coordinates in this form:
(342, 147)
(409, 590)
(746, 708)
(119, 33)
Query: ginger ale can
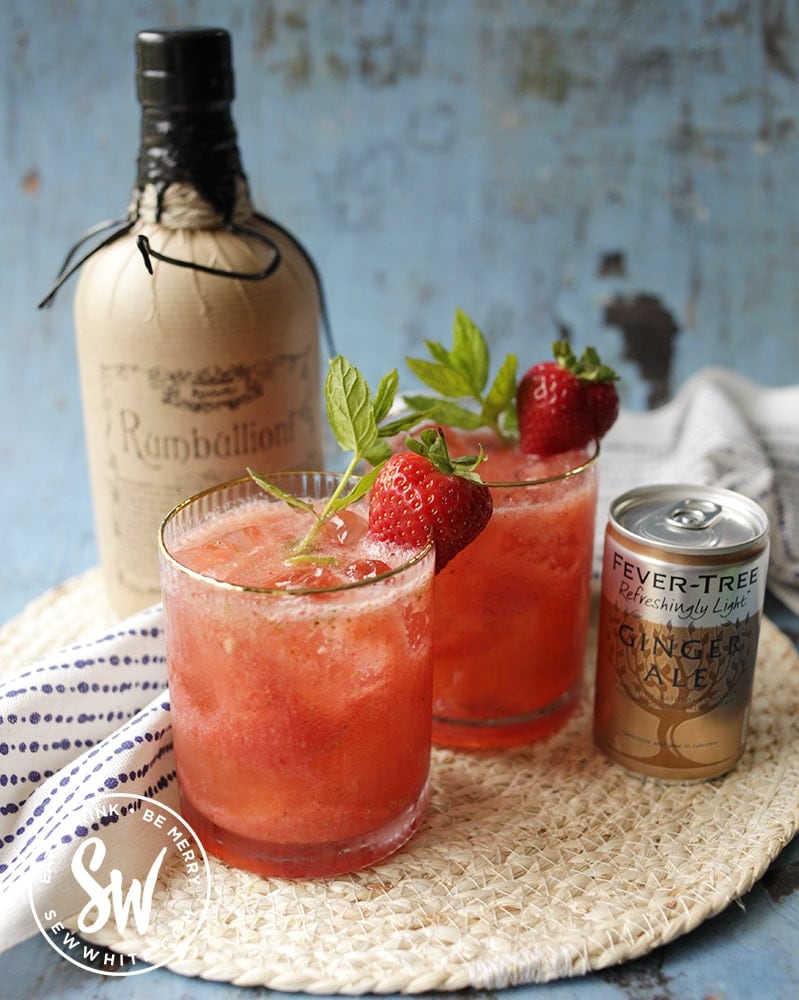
(683, 583)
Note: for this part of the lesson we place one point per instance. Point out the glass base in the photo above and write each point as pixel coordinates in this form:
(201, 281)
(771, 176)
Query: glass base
(306, 860)
(498, 734)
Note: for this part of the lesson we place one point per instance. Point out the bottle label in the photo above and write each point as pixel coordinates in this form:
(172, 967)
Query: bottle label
(163, 420)
(168, 433)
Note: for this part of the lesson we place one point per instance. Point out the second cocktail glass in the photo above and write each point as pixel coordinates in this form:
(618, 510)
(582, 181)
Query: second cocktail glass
(512, 609)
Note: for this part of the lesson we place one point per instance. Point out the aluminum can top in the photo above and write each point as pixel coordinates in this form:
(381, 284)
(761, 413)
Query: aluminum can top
(689, 519)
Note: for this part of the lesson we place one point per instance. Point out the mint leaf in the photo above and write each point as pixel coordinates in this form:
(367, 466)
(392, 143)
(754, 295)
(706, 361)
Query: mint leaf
(398, 425)
(470, 354)
(377, 453)
(357, 421)
(439, 353)
(384, 397)
(460, 375)
(349, 406)
(279, 494)
(502, 394)
(443, 378)
(360, 489)
(443, 411)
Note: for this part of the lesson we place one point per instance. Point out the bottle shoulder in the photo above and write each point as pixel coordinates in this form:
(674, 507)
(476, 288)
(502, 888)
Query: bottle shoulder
(114, 284)
(237, 258)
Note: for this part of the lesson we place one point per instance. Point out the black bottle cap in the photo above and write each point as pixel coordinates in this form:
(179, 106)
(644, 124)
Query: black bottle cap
(184, 67)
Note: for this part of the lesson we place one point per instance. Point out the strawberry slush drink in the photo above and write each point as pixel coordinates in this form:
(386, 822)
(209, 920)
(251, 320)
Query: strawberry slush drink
(512, 609)
(301, 690)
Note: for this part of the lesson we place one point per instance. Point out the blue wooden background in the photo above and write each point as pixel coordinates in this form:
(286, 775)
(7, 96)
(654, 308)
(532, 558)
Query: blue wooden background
(622, 171)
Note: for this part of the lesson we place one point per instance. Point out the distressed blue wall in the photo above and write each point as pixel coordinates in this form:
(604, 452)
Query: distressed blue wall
(624, 171)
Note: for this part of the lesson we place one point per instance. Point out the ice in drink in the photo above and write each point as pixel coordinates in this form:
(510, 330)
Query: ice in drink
(300, 688)
(512, 609)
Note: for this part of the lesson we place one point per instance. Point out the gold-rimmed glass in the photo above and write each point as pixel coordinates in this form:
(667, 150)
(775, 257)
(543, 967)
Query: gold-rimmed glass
(512, 610)
(301, 717)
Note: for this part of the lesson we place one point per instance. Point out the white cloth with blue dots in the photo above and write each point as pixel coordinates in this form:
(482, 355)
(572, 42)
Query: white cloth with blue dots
(91, 720)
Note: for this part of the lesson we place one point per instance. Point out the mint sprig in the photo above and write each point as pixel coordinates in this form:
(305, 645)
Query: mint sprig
(358, 421)
(461, 374)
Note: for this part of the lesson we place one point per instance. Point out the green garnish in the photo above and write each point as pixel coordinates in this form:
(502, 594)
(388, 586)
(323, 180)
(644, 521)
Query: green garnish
(461, 374)
(433, 445)
(589, 367)
(358, 421)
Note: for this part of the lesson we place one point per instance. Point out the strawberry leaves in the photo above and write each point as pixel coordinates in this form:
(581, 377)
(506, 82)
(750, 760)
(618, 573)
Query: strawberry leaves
(433, 445)
(589, 366)
(461, 374)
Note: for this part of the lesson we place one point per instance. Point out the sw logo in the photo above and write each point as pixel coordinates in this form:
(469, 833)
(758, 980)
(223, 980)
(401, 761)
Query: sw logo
(105, 894)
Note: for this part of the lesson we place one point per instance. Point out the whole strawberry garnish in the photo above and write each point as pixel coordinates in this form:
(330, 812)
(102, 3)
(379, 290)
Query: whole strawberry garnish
(553, 411)
(423, 494)
(565, 403)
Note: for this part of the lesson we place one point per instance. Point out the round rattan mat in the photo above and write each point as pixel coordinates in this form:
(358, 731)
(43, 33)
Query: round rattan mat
(531, 866)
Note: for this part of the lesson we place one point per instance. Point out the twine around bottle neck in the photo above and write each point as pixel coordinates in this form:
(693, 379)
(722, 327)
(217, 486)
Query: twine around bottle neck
(180, 205)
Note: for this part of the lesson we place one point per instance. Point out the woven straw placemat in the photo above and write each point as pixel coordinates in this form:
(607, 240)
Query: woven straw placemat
(532, 865)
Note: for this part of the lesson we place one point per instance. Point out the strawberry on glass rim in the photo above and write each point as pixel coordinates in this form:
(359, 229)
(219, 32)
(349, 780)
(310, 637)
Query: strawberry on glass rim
(566, 403)
(512, 610)
(423, 493)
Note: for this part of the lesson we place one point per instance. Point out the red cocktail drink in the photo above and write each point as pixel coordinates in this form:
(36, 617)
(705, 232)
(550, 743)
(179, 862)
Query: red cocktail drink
(300, 686)
(512, 609)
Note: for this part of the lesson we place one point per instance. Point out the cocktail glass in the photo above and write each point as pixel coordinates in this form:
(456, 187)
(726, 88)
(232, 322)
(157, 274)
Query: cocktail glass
(512, 609)
(301, 717)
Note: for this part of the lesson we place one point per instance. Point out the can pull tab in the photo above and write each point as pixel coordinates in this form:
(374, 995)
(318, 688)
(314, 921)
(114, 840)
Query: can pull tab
(695, 515)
